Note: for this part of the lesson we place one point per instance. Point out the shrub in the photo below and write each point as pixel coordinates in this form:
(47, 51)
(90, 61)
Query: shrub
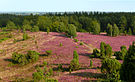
(32, 56)
(25, 36)
(44, 63)
(38, 76)
(24, 59)
(60, 67)
(128, 67)
(35, 29)
(96, 53)
(76, 40)
(81, 43)
(75, 55)
(102, 49)
(91, 63)
(120, 54)
(61, 44)
(74, 65)
(71, 32)
(49, 52)
(51, 71)
(111, 68)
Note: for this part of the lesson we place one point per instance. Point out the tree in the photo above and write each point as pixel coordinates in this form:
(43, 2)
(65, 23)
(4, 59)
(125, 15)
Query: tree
(10, 25)
(121, 54)
(91, 63)
(35, 29)
(27, 27)
(74, 64)
(48, 30)
(133, 24)
(102, 49)
(111, 68)
(129, 31)
(95, 27)
(122, 24)
(108, 51)
(25, 36)
(43, 22)
(109, 30)
(71, 31)
(75, 55)
(39, 75)
(128, 67)
(115, 30)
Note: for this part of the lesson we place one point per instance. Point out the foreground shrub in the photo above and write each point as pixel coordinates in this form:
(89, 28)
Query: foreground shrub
(111, 68)
(128, 67)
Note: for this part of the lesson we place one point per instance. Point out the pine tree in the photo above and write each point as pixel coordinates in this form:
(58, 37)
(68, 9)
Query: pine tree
(129, 31)
(115, 30)
(128, 67)
(102, 49)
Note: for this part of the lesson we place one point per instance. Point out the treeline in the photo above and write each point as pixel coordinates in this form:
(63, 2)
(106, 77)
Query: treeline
(96, 22)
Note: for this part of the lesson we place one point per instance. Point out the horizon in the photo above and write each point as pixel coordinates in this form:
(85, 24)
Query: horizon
(67, 6)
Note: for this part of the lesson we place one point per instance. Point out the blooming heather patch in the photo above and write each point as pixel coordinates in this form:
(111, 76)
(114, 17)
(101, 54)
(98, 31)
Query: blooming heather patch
(63, 54)
(115, 42)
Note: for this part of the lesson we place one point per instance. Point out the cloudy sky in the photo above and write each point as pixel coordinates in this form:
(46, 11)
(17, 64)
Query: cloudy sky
(67, 5)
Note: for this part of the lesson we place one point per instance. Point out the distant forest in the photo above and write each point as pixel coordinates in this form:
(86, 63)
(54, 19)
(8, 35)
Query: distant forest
(83, 21)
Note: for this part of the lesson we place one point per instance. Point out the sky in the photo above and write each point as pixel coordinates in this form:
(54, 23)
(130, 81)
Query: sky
(67, 5)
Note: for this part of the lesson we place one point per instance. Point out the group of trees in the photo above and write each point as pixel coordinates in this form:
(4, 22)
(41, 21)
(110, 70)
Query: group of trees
(96, 22)
(112, 68)
(105, 51)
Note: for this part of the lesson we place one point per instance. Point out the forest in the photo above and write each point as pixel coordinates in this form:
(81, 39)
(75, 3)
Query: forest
(83, 21)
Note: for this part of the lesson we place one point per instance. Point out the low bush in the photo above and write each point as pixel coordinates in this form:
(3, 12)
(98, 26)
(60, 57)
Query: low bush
(74, 65)
(48, 52)
(95, 54)
(76, 40)
(25, 36)
(81, 43)
(23, 59)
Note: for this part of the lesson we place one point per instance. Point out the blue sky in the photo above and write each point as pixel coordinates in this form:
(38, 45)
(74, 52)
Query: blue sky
(67, 5)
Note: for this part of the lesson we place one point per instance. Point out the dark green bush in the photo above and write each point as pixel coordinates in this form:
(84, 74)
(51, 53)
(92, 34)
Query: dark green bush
(74, 65)
(96, 53)
(48, 52)
(111, 68)
(35, 29)
(127, 72)
(25, 36)
(24, 59)
(32, 56)
(81, 43)
(120, 54)
(76, 40)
